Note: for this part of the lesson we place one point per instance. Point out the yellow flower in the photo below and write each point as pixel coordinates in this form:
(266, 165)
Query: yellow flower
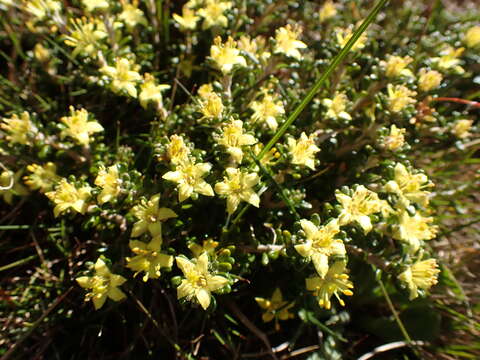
(199, 282)
(397, 66)
(42, 178)
(327, 11)
(85, 36)
(205, 91)
(461, 128)
(344, 35)
(208, 246)
(110, 183)
(41, 9)
(303, 150)
(429, 79)
(287, 41)
(131, 15)
(10, 185)
(236, 187)
(395, 140)
(267, 110)
(41, 53)
(188, 20)
(335, 281)
(409, 186)
(21, 130)
(148, 258)
(150, 217)
(275, 308)
(103, 284)
(226, 55)
(151, 92)
(67, 196)
(472, 37)
(189, 177)
(449, 59)
(124, 76)
(212, 13)
(421, 275)
(336, 106)
(399, 97)
(359, 207)
(93, 5)
(255, 48)
(177, 151)
(233, 138)
(320, 244)
(78, 127)
(414, 229)
(211, 106)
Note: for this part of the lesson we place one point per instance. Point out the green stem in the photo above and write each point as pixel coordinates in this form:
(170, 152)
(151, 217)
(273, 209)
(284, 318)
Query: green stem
(331, 67)
(407, 337)
(17, 263)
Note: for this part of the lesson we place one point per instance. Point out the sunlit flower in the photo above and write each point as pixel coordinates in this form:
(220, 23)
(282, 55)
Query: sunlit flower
(472, 37)
(124, 76)
(255, 48)
(345, 34)
(327, 11)
(414, 229)
(320, 244)
(226, 55)
(395, 139)
(287, 41)
(41, 53)
(188, 20)
(85, 36)
(303, 150)
(399, 96)
(93, 5)
(150, 217)
(449, 59)
(131, 15)
(461, 128)
(103, 284)
(409, 186)
(150, 92)
(205, 91)
(359, 207)
(148, 258)
(233, 138)
(199, 282)
(42, 177)
(267, 110)
(42, 8)
(11, 186)
(429, 79)
(397, 66)
(213, 13)
(238, 186)
(110, 183)
(335, 282)
(67, 196)
(208, 246)
(78, 127)
(189, 177)
(336, 107)
(177, 151)
(211, 106)
(421, 275)
(275, 308)
(20, 130)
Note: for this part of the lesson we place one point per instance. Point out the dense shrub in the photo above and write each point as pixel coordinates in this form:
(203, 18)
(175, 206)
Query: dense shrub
(213, 178)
